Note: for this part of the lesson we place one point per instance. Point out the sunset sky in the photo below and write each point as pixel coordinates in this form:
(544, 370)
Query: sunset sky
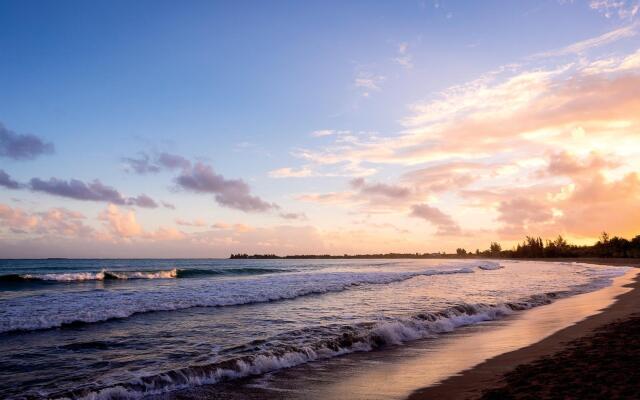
(200, 129)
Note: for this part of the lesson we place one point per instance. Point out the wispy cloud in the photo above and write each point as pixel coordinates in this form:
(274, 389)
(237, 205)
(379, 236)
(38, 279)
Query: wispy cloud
(293, 216)
(287, 172)
(482, 143)
(591, 43)
(403, 57)
(146, 164)
(623, 9)
(367, 82)
(198, 223)
(328, 132)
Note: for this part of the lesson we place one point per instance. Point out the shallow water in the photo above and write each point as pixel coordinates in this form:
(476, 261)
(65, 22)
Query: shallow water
(138, 327)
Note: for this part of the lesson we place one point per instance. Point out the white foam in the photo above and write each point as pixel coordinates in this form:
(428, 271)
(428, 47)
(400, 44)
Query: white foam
(490, 265)
(60, 308)
(102, 275)
(394, 332)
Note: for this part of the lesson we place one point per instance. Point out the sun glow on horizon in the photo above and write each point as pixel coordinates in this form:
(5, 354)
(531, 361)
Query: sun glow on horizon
(381, 151)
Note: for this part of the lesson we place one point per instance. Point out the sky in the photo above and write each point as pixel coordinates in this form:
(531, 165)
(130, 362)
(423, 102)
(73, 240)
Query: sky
(205, 128)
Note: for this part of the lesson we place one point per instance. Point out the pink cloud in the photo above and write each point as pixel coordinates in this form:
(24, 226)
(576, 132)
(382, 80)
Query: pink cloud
(445, 224)
(58, 221)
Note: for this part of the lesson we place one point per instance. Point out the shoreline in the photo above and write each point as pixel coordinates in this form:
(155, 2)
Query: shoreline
(490, 374)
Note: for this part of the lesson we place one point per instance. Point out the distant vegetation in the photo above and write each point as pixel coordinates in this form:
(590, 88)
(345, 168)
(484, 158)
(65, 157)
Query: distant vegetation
(610, 247)
(531, 247)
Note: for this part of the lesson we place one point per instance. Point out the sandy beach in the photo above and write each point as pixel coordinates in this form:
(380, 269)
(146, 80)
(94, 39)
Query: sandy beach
(591, 359)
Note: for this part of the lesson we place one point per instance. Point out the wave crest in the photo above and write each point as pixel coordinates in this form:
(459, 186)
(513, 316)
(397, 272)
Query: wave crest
(79, 308)
(359, 338)
(105, 275)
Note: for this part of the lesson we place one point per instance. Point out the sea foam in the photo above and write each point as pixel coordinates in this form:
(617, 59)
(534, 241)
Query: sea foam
(358, 338)
(59, 309)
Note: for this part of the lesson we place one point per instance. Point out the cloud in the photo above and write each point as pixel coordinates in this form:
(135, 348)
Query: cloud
(380, 189)
(444, 223)
(324, 132)
(563, 163)
(199, 178)
(146, 164)
(141, 165)
(368, 197)
(173, 161)
(445, 177)
(168, 205)
(518, 212)
(121, 224)
(573, 197)
(232, 193)
(597, 204)
(237, 228)
(195, 223)
(326, 198)
(92, 191)
(367, 82)
(403, 58)
(296, 216)
(588, 44)
(303, 172)
(6, 181)
(76, 189)
(623, 9)
(22, 146)
(540, 147)
(142, 201)
(55, 221)
(515, 110)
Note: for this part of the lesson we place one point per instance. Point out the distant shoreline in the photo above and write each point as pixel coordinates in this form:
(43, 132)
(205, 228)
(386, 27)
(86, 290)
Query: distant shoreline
(631, 261)
(595, 260)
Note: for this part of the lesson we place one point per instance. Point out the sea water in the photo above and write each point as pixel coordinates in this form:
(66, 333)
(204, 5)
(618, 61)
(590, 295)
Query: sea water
(135, 328)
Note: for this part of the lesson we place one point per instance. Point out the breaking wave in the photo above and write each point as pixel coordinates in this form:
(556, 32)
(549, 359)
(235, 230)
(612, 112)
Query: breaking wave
(490, 266)
(106, 275)
(81, 307)
(356, 338)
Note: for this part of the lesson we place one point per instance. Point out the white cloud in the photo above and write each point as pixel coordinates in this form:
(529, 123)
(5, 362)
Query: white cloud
(623, 9)
(598, 41)
(403, 57)
(291, 173)
(367, 82)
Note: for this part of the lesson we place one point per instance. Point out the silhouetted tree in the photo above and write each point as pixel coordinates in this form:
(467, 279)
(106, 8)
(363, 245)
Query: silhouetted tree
(495, 248)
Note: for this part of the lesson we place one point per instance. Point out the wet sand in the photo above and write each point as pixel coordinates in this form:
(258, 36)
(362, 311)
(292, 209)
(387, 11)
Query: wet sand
(395, 373)
(581, 349)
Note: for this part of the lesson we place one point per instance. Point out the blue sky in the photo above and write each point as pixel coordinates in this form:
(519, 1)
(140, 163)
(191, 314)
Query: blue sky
(242, 86)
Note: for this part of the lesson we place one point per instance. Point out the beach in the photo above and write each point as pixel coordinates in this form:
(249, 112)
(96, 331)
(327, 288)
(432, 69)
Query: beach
(201, 328)
(595, 358)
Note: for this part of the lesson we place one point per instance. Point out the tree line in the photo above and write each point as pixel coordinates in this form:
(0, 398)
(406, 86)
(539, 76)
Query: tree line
(530, 247)
(536, 247)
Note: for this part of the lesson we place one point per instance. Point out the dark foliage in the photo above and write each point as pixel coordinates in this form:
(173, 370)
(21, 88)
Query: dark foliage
(531, 247)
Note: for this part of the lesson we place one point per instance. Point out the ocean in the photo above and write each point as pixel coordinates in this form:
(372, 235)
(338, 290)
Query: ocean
(111, 329)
